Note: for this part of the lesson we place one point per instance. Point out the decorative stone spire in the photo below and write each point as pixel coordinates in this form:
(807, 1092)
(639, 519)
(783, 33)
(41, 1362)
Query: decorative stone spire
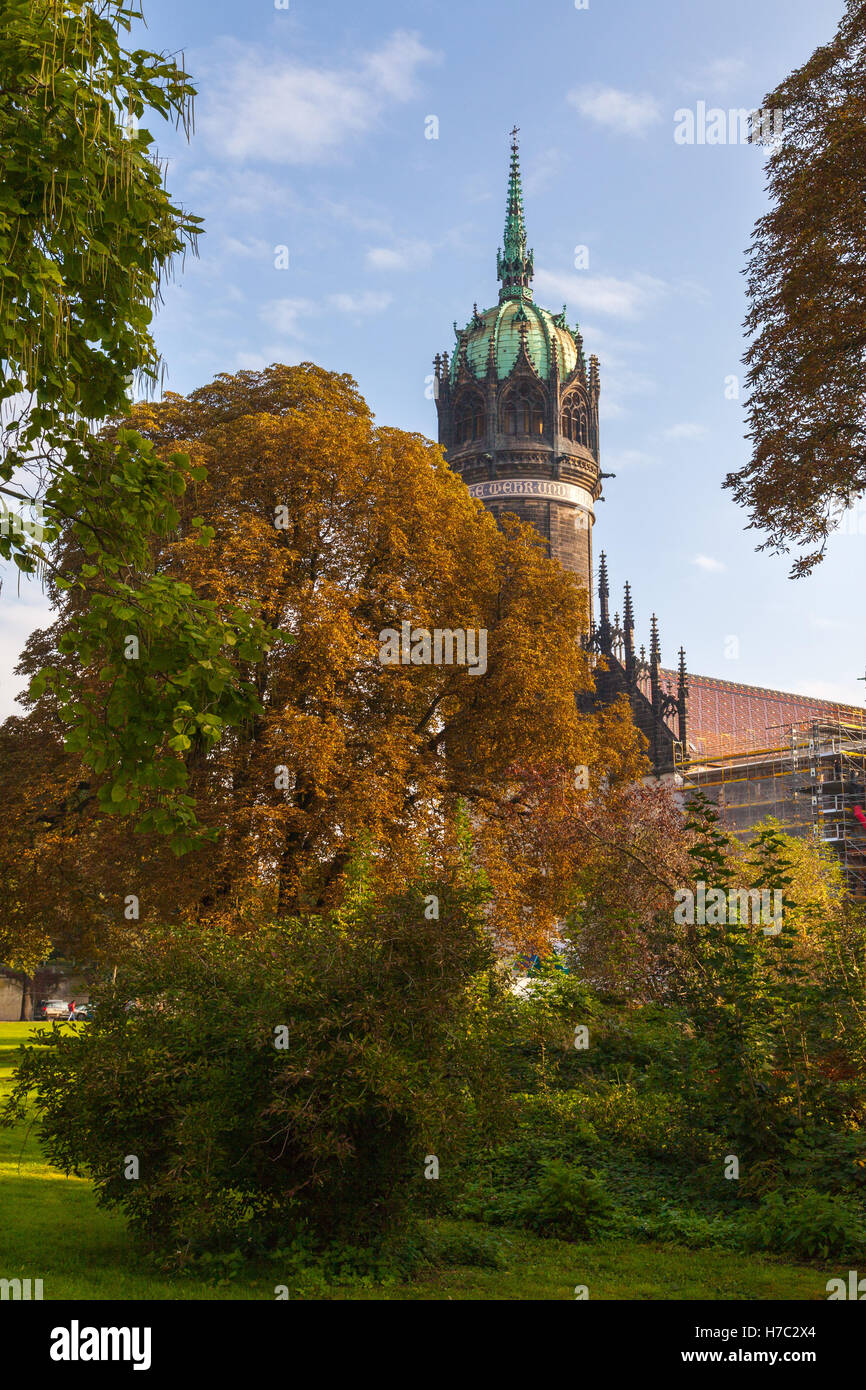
(628, 633)
(682, 696)
(594, 379)
(514, 264)
(491, 359)
(655, 648)
(617, 638)
(604, 629)
(655, 689)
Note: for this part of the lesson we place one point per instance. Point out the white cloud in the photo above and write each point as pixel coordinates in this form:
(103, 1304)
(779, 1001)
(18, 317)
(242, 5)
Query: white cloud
(360, 220)
(685, 430)
(602, 294)
(717, 76)
(20, 616)
(285, 112)
(692, 290)
(829, 624)
(619, 385)
(368, 302)
(290, 317)
(628, 113)
(287, 315)
(252, 361)
(827, 690)
(621, 375)
(708, 563)
(247, 196)
(254, 249)
(618, 459)
(408, 255)
(392, 69)
(542, 171)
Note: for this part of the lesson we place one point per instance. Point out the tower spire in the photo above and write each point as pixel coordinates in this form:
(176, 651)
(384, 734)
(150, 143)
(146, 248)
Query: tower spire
(655, 693)
(682, 703)
(628, 632)
(655, 647)
(514, 264)
(604, 629)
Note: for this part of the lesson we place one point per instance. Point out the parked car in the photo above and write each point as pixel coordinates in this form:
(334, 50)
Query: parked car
(51, 1008)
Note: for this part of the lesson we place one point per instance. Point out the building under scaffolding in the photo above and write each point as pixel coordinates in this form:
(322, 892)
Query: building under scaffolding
(812, 780)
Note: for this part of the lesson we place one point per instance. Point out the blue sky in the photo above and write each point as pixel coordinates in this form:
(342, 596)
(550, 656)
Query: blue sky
(311, 134)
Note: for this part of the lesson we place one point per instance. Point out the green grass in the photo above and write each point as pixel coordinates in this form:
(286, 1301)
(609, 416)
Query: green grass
(52, 1229)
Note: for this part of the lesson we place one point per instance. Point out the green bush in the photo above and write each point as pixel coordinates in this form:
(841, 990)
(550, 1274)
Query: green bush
(830, 1160)
(295, 1079)
(570, 1201)
(562, 1199)
(809, 1224)
(681, 1226)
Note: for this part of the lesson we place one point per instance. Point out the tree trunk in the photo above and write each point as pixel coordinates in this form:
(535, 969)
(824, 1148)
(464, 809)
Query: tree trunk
(26, 1014)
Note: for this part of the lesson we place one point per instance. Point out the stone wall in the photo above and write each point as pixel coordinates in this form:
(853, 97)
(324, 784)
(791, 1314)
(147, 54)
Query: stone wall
(10, 1000)
(566, 529)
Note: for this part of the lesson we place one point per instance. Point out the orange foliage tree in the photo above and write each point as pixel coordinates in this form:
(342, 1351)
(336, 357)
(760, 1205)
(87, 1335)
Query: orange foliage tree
(333, 530)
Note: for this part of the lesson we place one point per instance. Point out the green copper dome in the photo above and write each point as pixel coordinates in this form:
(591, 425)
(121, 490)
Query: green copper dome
(502, 328)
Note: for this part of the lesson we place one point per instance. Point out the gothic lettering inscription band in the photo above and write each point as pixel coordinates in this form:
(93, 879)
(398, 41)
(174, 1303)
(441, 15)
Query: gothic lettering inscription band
(532, 487)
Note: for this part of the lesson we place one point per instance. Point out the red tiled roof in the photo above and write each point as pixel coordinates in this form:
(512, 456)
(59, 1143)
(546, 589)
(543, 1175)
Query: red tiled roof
(726, 717)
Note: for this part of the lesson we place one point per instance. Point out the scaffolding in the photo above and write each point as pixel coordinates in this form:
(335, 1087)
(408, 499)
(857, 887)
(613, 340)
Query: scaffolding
(812, 780)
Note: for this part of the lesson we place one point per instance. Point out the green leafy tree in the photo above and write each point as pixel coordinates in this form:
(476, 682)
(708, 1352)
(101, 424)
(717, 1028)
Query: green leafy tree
(88, 234)
(780, 1029)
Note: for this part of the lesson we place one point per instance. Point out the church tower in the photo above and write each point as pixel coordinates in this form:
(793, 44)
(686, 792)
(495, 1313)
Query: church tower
(518, 406)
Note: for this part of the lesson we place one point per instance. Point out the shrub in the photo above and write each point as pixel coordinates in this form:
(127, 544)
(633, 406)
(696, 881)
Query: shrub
(292, 1079)
(569, 1200)
(809, 1224)
(681, 1227)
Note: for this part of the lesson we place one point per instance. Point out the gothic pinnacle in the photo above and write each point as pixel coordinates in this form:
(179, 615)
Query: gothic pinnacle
(514, 264)
(655, 649)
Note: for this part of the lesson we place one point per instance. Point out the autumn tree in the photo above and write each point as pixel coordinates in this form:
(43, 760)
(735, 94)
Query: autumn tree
(338, 532)
(599, 867)
(807, 304)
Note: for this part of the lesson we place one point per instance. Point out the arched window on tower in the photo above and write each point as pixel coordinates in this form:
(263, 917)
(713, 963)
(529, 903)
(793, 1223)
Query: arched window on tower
(470, 419)
(523, 412)
(574, 421)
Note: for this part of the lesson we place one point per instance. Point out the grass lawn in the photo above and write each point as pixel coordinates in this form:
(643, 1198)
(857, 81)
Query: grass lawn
(52, 1229)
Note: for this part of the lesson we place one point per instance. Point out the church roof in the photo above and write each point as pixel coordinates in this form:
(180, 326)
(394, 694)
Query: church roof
(504, 327)
(727, 717)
